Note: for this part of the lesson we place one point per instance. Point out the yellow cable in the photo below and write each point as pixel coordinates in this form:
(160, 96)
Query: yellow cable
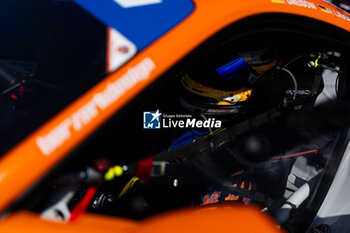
(318, 58)
(129, 186)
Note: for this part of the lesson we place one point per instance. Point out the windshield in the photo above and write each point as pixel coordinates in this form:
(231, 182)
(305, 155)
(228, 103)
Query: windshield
(51, 51)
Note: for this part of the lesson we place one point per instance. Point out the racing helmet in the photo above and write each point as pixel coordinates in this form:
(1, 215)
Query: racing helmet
(222, 86)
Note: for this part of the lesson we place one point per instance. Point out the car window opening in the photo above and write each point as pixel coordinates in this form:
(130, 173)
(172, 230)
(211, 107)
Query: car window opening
(275, 104)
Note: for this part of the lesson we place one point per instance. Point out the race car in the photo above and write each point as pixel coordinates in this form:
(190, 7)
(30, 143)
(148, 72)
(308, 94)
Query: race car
(117, 113)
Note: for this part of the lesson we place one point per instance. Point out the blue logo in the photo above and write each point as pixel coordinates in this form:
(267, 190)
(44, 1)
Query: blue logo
(151, 120)
(140, 21)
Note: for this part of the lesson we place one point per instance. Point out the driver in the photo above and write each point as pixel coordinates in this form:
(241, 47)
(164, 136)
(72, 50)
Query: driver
(234, 88)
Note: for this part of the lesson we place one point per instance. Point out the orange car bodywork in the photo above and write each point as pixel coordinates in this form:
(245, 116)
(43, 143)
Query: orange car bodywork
(27, 162)
(237, 218)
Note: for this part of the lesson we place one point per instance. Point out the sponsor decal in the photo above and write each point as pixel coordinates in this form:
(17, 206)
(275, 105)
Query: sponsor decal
(100, 101)
(135, 3)
(119, 50)
(325, 9)
(336, 13)
(277, 1)
(306, 4)
(157, 120)
(298, 92)
(301, 3)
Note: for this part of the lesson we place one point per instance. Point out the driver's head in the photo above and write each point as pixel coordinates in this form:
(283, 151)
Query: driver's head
(221, 85)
